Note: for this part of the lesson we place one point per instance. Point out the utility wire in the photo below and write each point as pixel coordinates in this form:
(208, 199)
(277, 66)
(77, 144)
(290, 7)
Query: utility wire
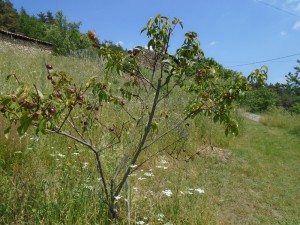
(277, 8)
(263, 61)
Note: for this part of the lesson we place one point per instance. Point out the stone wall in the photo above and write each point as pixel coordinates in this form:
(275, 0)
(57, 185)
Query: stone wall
(23, 45)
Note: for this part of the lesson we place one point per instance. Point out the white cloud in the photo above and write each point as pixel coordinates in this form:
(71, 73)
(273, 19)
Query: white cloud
(212, 43)
(297, 26)
(298, 7)
(283, 33)
(291, 1)
(120, 43)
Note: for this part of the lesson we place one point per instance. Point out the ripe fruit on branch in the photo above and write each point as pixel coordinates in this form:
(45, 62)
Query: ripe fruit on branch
(49, 66)
(30, 105)
(135, 51)
(36, 116)
(80, 97)
(14, 98)
(22, 101)
(52, 110)
(49, 77)
(205, 95)
(58, 95)
(3, 110)
(72, 90)
(191, 35)
(92, 35)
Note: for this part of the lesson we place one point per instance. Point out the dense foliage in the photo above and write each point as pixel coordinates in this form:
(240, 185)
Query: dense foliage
(289, 93)
(8, 16)
(286, 96)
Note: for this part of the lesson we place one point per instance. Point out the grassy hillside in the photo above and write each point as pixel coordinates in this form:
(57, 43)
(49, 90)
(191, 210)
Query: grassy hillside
(250, 179)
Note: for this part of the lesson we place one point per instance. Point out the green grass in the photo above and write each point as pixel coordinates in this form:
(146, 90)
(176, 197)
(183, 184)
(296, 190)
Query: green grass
(250, 179)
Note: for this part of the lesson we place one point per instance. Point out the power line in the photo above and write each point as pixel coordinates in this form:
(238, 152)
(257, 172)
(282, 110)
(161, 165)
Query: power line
(277, 8)
(263, 61)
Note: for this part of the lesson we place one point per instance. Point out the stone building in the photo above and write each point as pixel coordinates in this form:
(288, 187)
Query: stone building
(21, 44)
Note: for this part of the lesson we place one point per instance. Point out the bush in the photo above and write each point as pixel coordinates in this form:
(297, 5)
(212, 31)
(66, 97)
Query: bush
(260, 100)
(295, 109)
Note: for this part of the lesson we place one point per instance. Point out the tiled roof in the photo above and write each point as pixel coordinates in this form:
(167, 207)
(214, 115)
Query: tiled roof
(25, 38)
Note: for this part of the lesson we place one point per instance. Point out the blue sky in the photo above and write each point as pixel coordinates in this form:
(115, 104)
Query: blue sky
(233, 32)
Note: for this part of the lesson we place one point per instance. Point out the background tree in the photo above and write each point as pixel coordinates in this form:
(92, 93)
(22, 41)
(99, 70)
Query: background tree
(260, 100)
(32, 26)
(66, 36)
(8, 16)
(42, 17)
(293, 89)
(289, 92)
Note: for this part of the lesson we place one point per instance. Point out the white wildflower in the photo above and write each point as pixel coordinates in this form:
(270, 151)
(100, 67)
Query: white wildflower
(141, 222)
(161, 167)
(135, 188)
(150, 192)
(167, 192)
(199, 190)
(84, 165)
(163, 161)
(141, 178)
(133, 166)
(61, 155)
(118, 197)
(147, 174)
(76, 153)
(132, 175)
(18, 152)
(34, 138)
(160, 217)
(90, 187)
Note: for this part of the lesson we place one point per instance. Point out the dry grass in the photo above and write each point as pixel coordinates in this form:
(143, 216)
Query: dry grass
(251, 179)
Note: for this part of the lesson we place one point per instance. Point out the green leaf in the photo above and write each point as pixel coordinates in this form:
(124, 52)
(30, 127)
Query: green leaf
(154, 127)
(41, 126)
(8, 77)
(25, 123)
(7, 132)
(143, 29)
(5, 99)
(216, 118)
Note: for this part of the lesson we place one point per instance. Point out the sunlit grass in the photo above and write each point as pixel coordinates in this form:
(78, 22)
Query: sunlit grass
(282, 119)
(250, 179)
